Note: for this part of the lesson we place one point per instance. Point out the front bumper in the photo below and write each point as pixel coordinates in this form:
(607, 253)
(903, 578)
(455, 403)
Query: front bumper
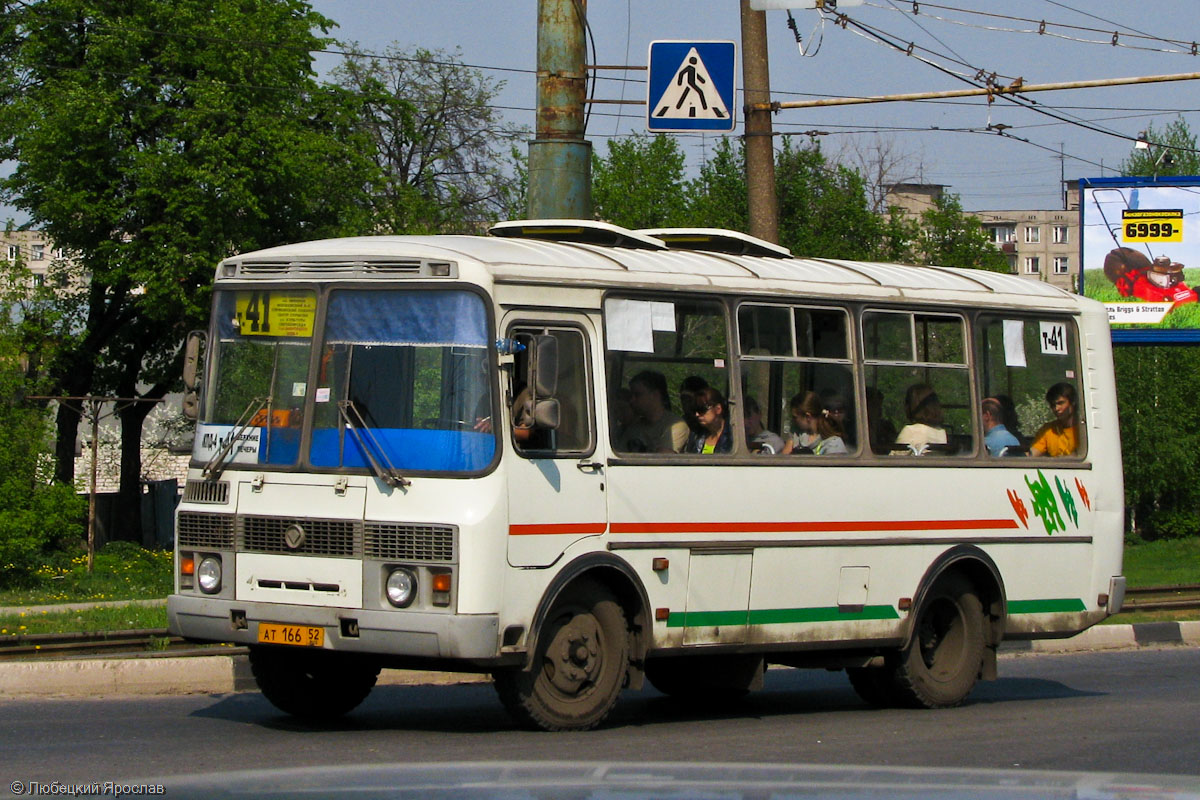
(402, 633)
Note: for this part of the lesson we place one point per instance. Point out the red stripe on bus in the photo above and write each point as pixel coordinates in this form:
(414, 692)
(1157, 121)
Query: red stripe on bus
(552, 529)
(812, 527)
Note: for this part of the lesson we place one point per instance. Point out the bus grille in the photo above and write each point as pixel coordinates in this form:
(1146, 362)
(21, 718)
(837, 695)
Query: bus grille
(401, 542)
(206, 492)
(322, 537)
(205, 531)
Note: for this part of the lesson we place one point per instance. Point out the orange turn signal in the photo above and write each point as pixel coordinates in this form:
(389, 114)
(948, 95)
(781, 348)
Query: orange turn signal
(441, 582)
(187, 565)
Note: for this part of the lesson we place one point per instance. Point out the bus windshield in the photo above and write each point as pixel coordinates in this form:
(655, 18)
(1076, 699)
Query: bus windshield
(400, 382)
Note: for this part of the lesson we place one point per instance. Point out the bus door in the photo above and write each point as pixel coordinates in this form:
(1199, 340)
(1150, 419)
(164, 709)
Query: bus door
(555, 474)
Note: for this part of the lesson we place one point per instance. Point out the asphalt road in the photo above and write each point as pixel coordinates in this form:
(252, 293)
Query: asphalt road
(1131, 710)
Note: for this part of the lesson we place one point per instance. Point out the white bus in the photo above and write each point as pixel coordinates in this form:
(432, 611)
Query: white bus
(469, 453)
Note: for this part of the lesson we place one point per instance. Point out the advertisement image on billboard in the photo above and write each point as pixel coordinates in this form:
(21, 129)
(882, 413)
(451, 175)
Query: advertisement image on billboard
(1140, 255)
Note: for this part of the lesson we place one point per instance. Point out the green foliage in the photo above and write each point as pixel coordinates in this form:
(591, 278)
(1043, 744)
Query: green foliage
(640, 183)
(149, 144)
(823, 208)
(717, 199)
(34, 513)
(1160, 438)
(1172, 152)
(950, 238)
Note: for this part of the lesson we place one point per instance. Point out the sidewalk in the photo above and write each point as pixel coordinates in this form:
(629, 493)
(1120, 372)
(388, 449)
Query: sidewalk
(164, 674)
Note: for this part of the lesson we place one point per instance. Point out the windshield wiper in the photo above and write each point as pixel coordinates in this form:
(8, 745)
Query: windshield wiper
(214, 467)
(362, 434)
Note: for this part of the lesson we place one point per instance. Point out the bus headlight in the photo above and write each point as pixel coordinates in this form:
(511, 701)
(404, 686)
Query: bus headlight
(208, 574)
(401, 587)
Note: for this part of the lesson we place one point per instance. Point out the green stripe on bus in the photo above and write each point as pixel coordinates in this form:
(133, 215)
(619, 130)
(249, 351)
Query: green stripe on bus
(775, 616)
(1055, 606)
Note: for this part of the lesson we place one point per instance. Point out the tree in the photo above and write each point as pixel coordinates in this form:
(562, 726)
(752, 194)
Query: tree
(882, 165)
(437, 140)
(1172, 151)
(718, 199)
(640, 184)
(950, 238)
(823, 208)
(152, 138)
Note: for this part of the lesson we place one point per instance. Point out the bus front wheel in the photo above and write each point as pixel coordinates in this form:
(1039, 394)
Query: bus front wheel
(578, 668)
(939, 667)
(315, 685)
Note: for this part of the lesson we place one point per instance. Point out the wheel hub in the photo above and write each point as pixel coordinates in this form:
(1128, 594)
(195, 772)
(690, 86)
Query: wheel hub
(574, 655)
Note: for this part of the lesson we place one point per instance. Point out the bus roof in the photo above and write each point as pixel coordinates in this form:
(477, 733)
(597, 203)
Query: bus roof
(582, 253)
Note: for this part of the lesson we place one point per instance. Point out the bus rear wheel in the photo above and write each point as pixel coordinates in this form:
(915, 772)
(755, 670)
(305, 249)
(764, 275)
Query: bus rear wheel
(578, 668)
(939, 667)
(314, 685)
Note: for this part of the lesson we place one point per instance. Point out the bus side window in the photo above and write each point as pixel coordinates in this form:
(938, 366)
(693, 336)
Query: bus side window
(1019, 359)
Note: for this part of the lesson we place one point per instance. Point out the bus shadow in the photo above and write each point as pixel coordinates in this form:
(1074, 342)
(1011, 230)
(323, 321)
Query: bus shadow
(474, 708)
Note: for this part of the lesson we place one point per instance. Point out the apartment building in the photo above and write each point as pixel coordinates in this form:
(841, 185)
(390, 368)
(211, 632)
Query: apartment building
(1039, 244)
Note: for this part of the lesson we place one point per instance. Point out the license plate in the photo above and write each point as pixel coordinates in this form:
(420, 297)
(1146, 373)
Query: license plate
(300, 635)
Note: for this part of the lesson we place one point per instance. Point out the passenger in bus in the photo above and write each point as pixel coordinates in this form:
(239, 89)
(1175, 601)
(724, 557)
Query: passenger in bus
(815, 432)
(996, 435)
(835, 408)
(712, 414)
(687, 401)
(924, 412)
(1060, 436)
(657, 429)
(758, 438)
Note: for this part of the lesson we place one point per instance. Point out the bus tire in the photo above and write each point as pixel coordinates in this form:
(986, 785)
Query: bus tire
(579, 666)
(873, 685)
(315, 685)
(943, 660)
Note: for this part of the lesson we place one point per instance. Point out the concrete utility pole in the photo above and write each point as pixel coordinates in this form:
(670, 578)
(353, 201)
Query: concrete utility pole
(760, 144)
(560, 159)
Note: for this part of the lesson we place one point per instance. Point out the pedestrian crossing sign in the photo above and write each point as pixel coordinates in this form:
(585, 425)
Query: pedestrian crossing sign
(691, 86)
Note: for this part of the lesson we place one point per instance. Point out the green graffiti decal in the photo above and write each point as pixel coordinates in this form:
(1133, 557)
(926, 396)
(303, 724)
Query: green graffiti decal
(1045, 505)
(1068, 502)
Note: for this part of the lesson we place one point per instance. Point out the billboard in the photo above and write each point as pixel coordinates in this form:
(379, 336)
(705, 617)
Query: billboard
(1140, 255)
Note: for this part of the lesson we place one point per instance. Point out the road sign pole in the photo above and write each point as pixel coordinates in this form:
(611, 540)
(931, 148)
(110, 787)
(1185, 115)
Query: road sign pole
(760, 147)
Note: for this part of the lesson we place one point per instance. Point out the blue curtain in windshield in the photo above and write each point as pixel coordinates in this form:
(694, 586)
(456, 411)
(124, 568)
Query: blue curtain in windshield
(417, 318)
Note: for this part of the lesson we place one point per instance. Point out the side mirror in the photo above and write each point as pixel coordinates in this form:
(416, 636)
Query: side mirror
(546, 414)
(543, 368)
(192, 349)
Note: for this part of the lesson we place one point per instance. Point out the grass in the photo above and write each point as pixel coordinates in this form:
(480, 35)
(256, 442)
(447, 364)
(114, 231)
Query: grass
(1163, 563)
(121, 571)
(109, 618)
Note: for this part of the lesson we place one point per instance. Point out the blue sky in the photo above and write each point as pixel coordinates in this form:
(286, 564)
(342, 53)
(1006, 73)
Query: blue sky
(988, 171)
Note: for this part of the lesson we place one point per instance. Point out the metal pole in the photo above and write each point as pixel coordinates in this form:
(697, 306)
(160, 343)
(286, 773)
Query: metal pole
(980, 91)
(94, 407)
(760, 148)
(560, 159)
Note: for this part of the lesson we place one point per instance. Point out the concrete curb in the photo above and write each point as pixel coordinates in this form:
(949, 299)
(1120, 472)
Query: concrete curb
(223, 674)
